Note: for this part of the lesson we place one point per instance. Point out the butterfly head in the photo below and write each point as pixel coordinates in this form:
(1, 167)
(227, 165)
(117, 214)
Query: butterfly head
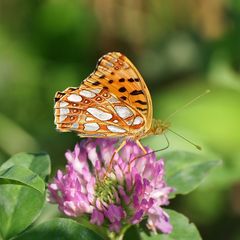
(158, 127)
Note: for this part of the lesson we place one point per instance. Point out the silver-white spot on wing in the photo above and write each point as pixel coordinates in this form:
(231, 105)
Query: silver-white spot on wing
(64, 111)
(137, 120)
(62, 118)
(63, 104)
(92, 135)
(115, 129)
(99, 114)
(129, 122)
(89, 119)
(75, 126)
(74, 98)
(123, 112)
(87, 94)
(109, 64)
(91, 126)
(113, 100)
(96, 90)
(115, 121)
(125, 66)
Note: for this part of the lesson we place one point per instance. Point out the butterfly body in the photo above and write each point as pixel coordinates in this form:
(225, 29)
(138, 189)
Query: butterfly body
(113, 101)
(158, 127)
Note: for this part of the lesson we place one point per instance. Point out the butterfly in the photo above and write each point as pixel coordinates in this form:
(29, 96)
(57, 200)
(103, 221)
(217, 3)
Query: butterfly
(113, 101)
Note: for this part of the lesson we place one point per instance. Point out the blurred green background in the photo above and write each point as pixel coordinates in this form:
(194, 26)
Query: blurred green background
(181, 47)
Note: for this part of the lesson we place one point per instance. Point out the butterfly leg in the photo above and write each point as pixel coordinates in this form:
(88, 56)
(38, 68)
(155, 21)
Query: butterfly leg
(141, 146)
(144, 153)
(112, 158)
(148, 153)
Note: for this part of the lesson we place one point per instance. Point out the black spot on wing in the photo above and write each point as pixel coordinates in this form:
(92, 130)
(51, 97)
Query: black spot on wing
(122, 89)
(72, 89)
(142, 109)
(134, 80)
(58, 95)
(121, 80)
(141, 102)
(136, 92)
(110, 81)
(123, 98)
(102, 76)
(96, 83)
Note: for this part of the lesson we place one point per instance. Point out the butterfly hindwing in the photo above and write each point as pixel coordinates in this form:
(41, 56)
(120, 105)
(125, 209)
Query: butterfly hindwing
(95, 113)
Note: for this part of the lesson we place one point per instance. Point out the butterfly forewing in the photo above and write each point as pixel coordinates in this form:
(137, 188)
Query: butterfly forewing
(113, 101)
(116, 72)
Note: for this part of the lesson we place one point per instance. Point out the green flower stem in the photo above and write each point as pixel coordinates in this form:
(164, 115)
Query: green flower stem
(120, 235)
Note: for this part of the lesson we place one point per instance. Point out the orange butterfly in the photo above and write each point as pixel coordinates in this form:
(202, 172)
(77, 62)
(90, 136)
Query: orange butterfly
(113, 101)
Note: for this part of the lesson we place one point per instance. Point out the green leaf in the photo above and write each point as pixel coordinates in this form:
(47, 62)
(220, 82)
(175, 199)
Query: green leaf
(38, 163)
(22, 195)
(22, 175)
(61, 229)
(185, 171)
(20, 205)
(132, 233)
(100, 230)
(182, 229)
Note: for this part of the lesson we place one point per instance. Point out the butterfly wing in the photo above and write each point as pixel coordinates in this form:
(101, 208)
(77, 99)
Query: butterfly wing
(117, 73)
(112, 101)
(95, 113)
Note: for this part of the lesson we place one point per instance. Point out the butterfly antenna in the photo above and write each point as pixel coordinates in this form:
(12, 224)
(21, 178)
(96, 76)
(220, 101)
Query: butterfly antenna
(164, 148)
(195, 145)
(187, 104)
